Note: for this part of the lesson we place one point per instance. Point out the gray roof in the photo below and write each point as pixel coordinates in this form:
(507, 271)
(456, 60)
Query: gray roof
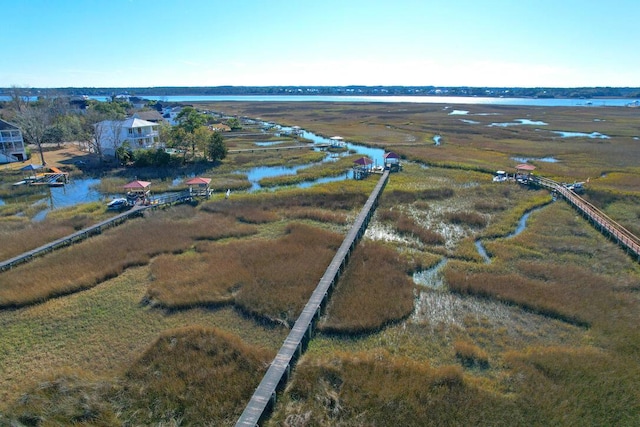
(7, 126)
(150, 115)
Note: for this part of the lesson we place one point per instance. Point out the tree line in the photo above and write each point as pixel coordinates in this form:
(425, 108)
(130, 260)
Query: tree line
(359, 90)
(54, 120)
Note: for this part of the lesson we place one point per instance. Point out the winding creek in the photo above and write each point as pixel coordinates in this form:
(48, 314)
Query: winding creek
(522, 224)
(84, 190)
(432, 278)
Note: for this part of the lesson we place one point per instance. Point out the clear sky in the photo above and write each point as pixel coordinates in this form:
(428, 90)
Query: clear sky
(143, 43)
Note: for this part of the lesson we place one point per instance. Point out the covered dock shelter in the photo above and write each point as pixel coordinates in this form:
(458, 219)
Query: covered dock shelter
(362, 167)
(524, 172)
(138, 192)
(392, 161)
(199, 186)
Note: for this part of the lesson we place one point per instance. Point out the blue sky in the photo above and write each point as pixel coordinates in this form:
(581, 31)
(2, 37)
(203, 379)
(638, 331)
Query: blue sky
(143, 43)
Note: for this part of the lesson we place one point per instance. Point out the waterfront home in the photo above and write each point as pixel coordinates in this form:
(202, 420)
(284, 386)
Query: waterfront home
(138, 133)
(170, 114)
(153, 116)
(12, 148)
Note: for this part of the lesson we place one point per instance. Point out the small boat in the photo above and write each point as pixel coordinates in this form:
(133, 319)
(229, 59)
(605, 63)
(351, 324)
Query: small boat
(118, 204)
(501, 176)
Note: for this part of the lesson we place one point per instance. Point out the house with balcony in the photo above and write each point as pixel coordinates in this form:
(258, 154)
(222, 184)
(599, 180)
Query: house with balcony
(12, 147)
(138, 133)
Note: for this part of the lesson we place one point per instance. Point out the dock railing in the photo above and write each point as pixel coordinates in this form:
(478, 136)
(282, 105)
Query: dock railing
(264, 397)
(600, 220)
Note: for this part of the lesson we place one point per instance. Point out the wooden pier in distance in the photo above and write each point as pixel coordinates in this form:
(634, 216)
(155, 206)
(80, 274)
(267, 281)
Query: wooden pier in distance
(607, 226)
(264, 397)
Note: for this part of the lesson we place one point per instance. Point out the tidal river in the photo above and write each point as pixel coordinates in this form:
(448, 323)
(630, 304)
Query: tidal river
(84, 190)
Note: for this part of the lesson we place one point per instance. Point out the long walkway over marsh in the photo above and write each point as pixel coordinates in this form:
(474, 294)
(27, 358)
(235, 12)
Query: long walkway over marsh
(607, 226)
(277, 375)
(94, 229)
(72, 238)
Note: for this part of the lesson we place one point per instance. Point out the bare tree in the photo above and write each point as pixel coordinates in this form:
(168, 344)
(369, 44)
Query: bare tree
(19, 98)
(34, 121)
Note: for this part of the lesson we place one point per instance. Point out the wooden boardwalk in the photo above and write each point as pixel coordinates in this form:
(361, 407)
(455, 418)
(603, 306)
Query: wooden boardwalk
(264, 397)
(610, 228)
(72, 238)
(78, 236)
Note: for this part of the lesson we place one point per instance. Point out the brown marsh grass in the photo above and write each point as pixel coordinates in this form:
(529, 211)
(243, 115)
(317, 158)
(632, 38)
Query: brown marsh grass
(213, 372)
(100, 332)
(270, 279)
(19, 236)
(470, 355)
(405, 225)
(374, 291)
(102, 257)
(563, 270)
(376, 388)
(191, 375)
(543, 370)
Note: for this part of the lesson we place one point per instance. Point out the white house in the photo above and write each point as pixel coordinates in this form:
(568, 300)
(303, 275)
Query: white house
(111, 134)
(12, 148)
(170, 114)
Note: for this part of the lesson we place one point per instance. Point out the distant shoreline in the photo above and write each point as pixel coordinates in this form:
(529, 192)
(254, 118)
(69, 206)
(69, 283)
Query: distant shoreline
(593, 93)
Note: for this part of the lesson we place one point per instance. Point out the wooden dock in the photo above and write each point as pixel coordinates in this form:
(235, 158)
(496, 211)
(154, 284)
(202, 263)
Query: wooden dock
(72, 238)
(607, 226)
(78, 236)
(264, 397)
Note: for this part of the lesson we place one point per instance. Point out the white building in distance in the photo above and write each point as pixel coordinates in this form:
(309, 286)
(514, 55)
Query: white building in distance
(111, 134)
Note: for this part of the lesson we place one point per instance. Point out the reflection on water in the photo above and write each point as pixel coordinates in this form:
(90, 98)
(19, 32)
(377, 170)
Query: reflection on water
(519, 122)
(85, 190)
(482, 251)
(75, 192)
(592, 135)
(538, 159)
(431, 277)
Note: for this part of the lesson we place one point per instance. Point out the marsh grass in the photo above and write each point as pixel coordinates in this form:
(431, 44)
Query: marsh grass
(559, 271)
(556, 311)
(379, 389)
(374, 290)
(406, 225)
(269, 279)
(471, 219)
(213, 372)
(102, 257)
(20, 236)
(470, 355)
